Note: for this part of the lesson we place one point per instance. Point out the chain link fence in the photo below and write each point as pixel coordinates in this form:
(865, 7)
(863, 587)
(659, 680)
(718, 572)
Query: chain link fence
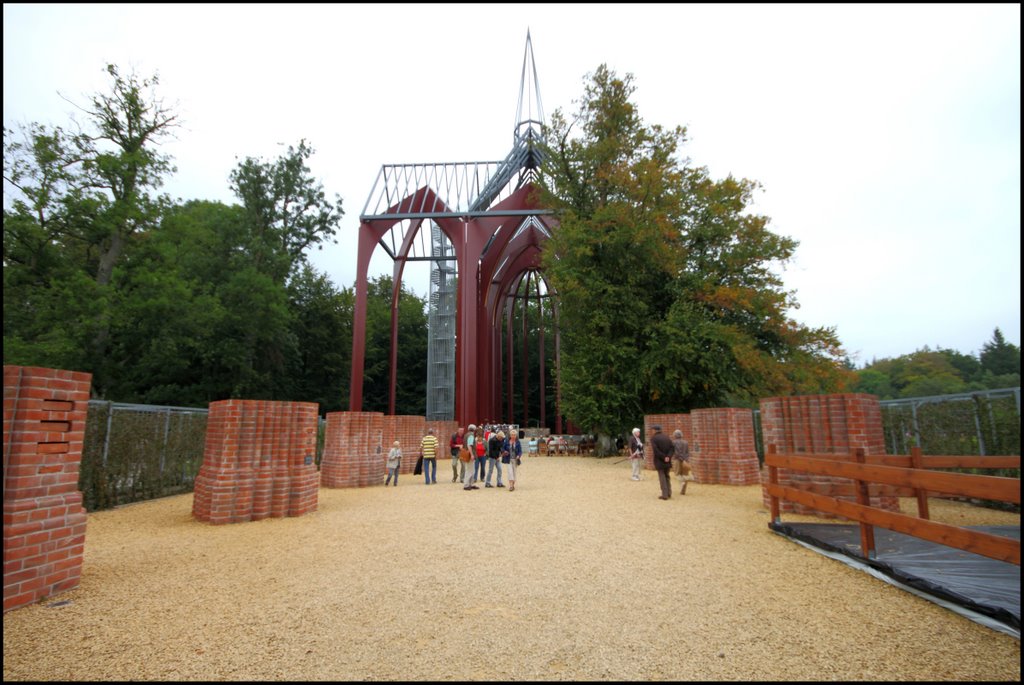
(135, 452)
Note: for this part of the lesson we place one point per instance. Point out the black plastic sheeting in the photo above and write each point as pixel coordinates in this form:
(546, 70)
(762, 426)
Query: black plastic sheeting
(987, 587)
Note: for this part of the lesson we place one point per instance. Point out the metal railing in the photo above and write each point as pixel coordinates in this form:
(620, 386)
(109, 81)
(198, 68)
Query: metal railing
(134, 452)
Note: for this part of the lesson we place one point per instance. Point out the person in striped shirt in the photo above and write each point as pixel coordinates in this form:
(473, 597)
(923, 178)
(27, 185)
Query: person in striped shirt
(428, 447)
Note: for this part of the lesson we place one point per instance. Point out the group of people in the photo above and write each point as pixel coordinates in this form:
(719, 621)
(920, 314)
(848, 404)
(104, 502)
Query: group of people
(477, 452)
(667, 452)
(480, 452)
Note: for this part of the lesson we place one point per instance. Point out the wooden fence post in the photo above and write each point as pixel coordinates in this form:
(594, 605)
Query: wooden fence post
(773, 479)
(867, 531)
(922, 495)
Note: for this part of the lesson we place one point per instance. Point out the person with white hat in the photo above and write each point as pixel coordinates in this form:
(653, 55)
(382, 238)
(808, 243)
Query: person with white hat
(636, 453)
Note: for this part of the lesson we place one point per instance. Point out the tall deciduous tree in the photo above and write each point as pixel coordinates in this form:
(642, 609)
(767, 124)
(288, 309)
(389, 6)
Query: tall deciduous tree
(286, 210)
(84, 195)
(410, 391)
(669, 301)
(323, 326)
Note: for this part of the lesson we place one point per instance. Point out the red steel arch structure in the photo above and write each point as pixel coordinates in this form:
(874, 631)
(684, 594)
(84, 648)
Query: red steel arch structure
(489, 213)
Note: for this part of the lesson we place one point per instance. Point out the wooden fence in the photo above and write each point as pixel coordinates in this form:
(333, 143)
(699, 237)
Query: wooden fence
(913, 475)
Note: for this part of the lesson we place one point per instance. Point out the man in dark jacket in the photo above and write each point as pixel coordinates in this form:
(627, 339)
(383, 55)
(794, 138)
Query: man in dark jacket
(454, 445)
(663, 448)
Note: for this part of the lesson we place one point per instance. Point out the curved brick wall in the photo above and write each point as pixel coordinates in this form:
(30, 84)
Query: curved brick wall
(722, 449)
(824, 424)
(353, 450)
(408, 430)
(44, 521)
(669, 424)
(258, 462)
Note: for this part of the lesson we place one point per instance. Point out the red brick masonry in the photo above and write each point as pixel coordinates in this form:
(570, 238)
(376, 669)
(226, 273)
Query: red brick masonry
(824, 424)
(259, 461)
(44, 520)
(354, 454)
(356, 446)
(721, 443)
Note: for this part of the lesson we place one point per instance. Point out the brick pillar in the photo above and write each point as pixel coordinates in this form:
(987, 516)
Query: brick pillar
(351, 443)
(258, 462)
(410, 431)
(669, 424)
(44, 520)
(722, 449)
(390, 431)
(824, 424)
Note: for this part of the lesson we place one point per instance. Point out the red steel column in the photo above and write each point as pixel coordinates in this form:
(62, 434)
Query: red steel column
(367, 242)
(543, 360)
(525, 299)
(467, 384)
(510, 303)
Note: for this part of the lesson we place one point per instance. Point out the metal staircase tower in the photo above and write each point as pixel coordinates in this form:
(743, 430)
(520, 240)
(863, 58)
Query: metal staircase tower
(484, 238)
(441, 330)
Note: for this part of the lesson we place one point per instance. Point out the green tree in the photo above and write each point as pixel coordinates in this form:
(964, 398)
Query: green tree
(922, 373)
(286, 210)
(173, 342)
(967, 366)
(668, 299)
(80, 198)
(999, 357)
(410, 390)
(323, 327)
(874, 382)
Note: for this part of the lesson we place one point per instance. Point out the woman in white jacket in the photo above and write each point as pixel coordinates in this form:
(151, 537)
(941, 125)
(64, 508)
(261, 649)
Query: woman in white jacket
(636, 453)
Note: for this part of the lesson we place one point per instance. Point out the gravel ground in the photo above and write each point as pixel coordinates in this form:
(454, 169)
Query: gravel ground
(580, 574)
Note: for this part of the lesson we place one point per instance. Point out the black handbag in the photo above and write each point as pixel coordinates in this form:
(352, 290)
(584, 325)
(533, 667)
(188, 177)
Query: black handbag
(419, 467)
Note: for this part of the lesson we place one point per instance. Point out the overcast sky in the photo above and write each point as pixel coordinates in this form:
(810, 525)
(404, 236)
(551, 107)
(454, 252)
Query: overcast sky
(886, 137)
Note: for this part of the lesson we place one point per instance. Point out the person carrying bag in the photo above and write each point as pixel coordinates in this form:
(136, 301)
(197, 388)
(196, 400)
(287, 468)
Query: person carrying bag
(511, 453)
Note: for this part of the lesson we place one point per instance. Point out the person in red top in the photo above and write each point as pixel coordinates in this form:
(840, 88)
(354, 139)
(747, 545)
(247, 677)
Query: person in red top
(480, 462)
(455, 444)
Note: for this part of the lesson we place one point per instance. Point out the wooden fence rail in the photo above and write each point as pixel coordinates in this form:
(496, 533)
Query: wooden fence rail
(912, 475)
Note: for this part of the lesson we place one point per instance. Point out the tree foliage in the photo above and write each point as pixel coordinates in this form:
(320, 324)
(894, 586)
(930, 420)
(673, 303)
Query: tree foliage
(193, 302)
(668, 296)
(411, 380)
(999, 357)
(926, 372)
(323, 327)
(286, 211)
(80, 198)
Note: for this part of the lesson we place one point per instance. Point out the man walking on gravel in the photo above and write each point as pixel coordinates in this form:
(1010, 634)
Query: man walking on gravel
(663, 448)
(454, 445)
(428, 447)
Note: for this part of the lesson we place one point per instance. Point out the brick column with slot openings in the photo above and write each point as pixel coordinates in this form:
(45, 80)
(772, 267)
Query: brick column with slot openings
(258, 462)
(44, 520)
(824, 424)
(722, 449)
(354, 452)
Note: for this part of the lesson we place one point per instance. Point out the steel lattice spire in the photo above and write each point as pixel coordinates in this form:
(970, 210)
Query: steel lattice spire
(529, 110)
